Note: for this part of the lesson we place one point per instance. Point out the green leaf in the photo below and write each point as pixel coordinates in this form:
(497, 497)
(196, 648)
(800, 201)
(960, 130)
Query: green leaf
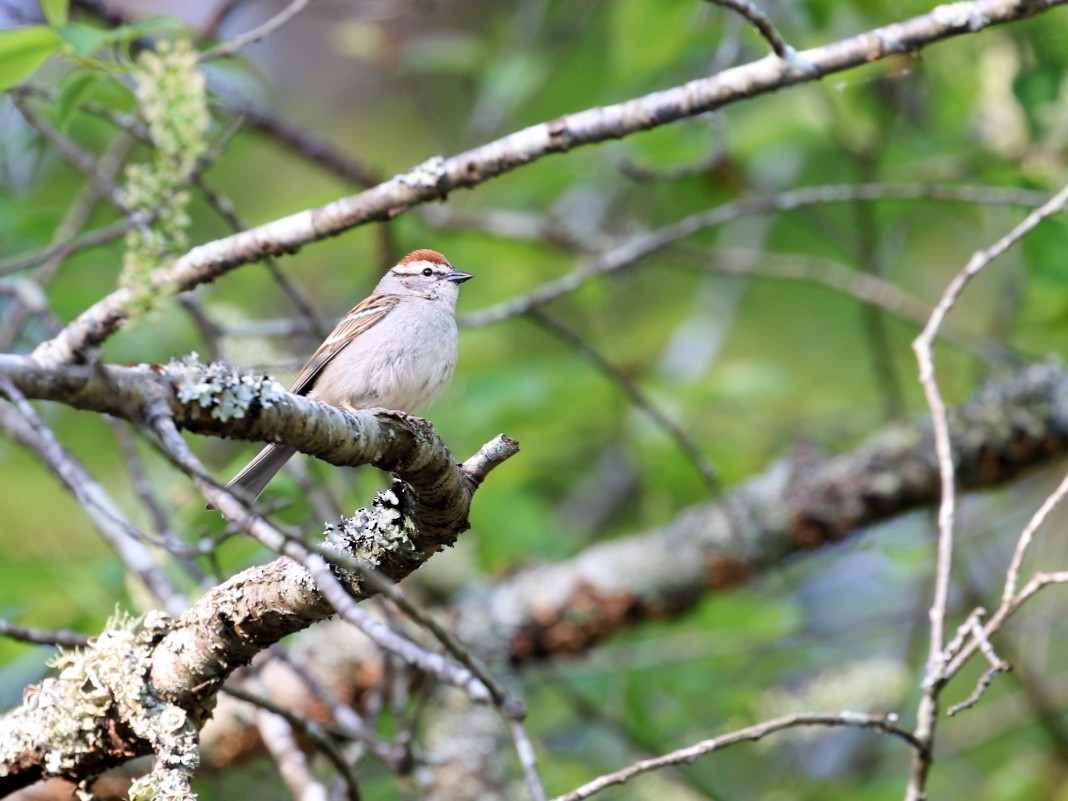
(55, 12)
(152, 25)
(23, 50)
(85, 39)
(73, 91)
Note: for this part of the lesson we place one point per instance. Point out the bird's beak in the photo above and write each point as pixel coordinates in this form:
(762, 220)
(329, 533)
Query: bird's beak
(458, 276)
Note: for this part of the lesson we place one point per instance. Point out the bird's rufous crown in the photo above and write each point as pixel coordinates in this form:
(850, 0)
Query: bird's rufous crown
(424, 254)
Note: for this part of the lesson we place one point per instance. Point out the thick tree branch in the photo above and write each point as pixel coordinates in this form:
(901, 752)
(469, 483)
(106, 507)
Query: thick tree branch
(179, 665)
(796, 505)
(392, 441)
(437, 177)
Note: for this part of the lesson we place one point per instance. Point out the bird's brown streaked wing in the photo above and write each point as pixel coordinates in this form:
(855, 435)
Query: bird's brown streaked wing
(364, 314)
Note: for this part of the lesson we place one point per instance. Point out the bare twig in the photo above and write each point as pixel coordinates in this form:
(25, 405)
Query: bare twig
(973, 628)
(923, 347)
(997, 664)
(984, 681)
(109, 233)
(346, 721)
(231, 47)
(382, 635)
(987, 648)
(964, 630)
(866, 247)
(527, 759)
(216, 18)
(84, 162)
(75, 218)
(936, 673)
(1027, 536)
(1001, 615)
(865, 287)
(61, 638)
(497, 450)
(488, 110)
(293, 768)
(759, 20)
(22, 423)
(306, 144)
(168, 537)
(60, 250)
(552, 229)
(511, 706)
(689, 449)
(296, 296)
(884, 723)
(625, 254)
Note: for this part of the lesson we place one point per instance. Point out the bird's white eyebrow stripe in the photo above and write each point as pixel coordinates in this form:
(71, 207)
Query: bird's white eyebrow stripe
(416, 267)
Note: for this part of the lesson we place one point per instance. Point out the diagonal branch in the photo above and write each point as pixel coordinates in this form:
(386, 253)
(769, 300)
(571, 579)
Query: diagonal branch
(788, 509)
(625, 254)
(686, 756)
(398, 443)
(437, 177)
(759, 20)
(687, 446)
(230, 48)
(19, 420)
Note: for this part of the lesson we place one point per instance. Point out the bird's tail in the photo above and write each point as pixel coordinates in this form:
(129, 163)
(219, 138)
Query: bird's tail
(257, 473)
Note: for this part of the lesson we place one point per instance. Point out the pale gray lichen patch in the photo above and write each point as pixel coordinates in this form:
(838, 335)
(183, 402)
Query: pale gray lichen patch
(166, 727)
(426, 175)
(957, 15)
(223, 389)
(69, 714)
(373, 534)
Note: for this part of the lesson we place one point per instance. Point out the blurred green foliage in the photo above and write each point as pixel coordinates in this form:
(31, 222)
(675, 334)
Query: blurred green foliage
(747, 366)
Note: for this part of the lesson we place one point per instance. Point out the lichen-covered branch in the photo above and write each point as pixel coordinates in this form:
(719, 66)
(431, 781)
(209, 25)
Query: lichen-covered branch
(218, 401)
(181, 664)
(796, 505)
(100, 711)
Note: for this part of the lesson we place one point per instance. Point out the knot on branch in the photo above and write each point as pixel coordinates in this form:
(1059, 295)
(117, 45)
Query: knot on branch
(429, 175)
(224, 390)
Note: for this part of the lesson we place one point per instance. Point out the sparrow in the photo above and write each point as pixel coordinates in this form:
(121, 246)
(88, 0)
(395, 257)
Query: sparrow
(396, 349)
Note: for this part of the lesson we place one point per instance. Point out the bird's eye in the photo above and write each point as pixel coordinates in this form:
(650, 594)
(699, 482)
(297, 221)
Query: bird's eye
(427, 271)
